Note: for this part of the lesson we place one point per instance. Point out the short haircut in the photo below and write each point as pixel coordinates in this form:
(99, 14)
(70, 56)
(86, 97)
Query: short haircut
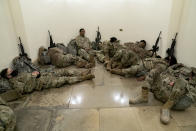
(143, 42)
(4, 73)
(113, 39)
(81, 29)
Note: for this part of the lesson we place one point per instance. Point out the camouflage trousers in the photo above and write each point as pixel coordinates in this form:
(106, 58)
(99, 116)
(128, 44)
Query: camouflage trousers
(7, 119)
(65, 60)
(173, 94)
(100, 57)
(68, 60)
(58, 78)
(84, 54)
(133, 70)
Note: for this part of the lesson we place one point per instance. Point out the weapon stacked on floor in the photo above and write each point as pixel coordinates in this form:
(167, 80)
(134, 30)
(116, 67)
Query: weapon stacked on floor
(22, 52)
(24, 56)
(52, 44)
(155, 47)
(95, 44)
(170, 51)
(98, 38)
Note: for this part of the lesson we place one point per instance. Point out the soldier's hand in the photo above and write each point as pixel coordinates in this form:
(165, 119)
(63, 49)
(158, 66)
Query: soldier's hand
(35, 73)
(171, 83)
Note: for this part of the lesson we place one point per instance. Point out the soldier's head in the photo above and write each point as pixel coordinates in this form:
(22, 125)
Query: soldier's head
(82, 32)
(113, 39)
(142, 44)
(8, 73)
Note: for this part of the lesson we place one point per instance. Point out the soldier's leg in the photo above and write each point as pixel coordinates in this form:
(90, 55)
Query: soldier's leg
(66, 60)
(66, 72)
(146, 86)
(178, 91)
(7, 119)
(100, 57)
(60, 81)
(85, 55)
(132, 71)
(82, 53)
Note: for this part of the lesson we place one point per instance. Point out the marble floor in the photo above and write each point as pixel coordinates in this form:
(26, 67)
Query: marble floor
(100, 104)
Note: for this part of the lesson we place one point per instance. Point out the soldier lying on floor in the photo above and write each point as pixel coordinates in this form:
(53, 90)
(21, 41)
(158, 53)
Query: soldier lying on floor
(28, 82)
(151, 65)
(176, 87)
(59, 59)
(139, 48)
(7, 117)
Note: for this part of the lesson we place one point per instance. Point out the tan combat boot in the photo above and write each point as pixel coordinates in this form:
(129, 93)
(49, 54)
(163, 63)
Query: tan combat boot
(92, 60)
(81, 64)
(117, 71)
(87, 72)
(165, 112)
(143, 98)
(108, 66)
(87, 77)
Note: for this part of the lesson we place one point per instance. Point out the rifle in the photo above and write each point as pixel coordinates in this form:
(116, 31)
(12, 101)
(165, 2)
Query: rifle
(21, 49)
(52, 44)
(170, 51)
(98, 38)
(24, 57)
(155, 47)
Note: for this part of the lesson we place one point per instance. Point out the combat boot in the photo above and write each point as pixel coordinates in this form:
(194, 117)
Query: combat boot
(92, 60)
(87, 77)
(117, 71)
(108, 66)
(81, 64)
(143, 98)
(165, 112)
(87, 72)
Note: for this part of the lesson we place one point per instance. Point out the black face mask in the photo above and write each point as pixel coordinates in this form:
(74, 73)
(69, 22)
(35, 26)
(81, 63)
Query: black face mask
(14, 73)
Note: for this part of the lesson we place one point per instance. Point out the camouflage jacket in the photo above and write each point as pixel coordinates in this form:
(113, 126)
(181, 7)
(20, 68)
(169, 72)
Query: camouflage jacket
(24, 83)
(138, 50)
(126, 57)
(151, 63)
(174, 73)
(83, 42)
(110, 49)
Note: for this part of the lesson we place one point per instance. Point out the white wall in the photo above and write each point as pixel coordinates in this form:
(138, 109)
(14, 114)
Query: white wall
(186, 46)
(19, 23)
(140, 19)
(8, 41)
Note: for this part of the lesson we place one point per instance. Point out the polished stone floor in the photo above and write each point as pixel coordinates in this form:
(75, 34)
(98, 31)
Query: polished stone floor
(97, 105)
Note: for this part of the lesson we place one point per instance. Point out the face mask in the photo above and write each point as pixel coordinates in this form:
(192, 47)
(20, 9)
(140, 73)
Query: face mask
(14, 73)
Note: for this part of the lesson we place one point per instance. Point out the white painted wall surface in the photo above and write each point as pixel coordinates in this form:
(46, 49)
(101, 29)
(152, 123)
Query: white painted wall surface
(140, 19)
(186, 46)
(8, 41)
(19, 23)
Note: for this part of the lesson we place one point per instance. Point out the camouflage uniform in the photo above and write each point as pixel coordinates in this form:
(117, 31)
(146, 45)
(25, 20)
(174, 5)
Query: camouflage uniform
(63, 60)
(108, 50)
(124, 58)
(154, 65)
(22, 64)
(138, 50)
(182, 88)
(7, 117)
(26, 82)
(83, 44)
